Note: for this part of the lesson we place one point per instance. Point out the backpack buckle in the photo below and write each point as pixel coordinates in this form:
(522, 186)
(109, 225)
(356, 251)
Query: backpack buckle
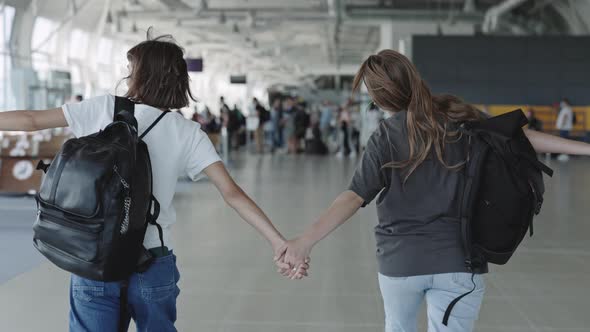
(42, 166)
(469, 264)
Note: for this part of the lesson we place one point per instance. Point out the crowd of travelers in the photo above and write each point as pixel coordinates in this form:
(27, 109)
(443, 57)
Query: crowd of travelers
(291, 125)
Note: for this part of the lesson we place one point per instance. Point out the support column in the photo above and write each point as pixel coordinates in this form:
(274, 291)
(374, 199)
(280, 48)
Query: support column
(387, 36)
(21, 36)
(90, 68)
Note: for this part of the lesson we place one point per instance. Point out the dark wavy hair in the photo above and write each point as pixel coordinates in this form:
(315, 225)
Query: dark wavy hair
(159, 75)
(394, 84)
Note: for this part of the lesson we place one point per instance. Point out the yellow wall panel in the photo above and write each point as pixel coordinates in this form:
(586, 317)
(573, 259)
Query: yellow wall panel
(546, 113)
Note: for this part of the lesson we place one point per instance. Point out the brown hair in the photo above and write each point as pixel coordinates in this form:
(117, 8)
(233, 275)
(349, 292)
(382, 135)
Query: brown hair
(394, 84)
(159, 75)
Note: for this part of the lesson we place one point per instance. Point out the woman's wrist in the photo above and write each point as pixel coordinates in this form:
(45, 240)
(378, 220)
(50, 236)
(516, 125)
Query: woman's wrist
(308, 240)
(277, 241)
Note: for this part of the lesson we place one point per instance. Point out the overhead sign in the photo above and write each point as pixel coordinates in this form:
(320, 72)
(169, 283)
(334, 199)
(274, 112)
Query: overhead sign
(237, 79)
(194, 65)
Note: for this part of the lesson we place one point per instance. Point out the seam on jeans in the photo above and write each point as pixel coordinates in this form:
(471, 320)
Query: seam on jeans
(90, 288)
(87, 293)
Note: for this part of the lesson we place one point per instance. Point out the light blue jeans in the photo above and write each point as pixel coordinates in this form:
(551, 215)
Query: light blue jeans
(403, 296)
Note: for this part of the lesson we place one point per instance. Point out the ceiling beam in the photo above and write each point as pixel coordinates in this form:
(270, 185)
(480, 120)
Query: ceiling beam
(377, 13)
(494, 14)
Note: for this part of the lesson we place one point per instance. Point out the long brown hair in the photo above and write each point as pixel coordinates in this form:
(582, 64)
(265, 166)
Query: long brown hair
(159, 75)
(394, 84)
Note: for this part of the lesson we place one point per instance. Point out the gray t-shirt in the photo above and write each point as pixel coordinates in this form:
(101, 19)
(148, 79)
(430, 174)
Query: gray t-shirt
(419, 227)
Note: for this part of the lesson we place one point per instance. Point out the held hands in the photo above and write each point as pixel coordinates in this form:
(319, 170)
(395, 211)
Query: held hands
(292, 258)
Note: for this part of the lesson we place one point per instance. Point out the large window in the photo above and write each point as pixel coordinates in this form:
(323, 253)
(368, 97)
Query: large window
(105, 49)
(78, 44)
(7, 17)
(43, 43)
(6, 20)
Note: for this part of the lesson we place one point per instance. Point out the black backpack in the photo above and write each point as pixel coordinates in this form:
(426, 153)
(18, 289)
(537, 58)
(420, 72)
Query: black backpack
(96, 201)
(503, 191)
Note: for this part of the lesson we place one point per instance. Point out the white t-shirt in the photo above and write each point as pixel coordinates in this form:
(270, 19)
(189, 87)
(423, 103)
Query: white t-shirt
(568, 124)
(177, 147)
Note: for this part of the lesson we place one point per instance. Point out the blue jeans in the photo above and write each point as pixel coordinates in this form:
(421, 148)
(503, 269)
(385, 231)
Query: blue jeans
(402, 298)
(94, 305)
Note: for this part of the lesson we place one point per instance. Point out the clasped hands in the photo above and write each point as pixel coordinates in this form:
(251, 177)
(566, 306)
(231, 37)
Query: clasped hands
(292, 258)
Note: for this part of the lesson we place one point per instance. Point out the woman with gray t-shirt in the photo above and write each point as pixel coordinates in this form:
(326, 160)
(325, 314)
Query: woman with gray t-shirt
(411, 163)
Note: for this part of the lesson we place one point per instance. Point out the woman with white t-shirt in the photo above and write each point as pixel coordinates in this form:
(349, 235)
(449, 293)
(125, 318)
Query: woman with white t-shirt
(565, 123)
(158, 81)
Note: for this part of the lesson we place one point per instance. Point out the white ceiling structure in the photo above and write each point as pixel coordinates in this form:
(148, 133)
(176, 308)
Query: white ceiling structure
(279, 40)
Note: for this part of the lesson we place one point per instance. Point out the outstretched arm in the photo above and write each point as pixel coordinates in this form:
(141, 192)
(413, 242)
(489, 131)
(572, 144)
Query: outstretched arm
(545, 143)
(235, 197)
(32, 120)
(296, 251)
(342, 209)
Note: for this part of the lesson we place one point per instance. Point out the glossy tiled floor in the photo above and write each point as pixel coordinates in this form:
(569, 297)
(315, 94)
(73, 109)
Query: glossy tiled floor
(229, 284)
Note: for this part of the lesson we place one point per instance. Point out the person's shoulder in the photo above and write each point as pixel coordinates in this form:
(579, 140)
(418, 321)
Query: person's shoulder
(100, 99)
(390, 129)
(106, 98)
(395, 124)
(186, 125)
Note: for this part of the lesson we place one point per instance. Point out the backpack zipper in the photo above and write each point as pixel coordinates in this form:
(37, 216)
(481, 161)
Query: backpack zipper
(126, 202)
(122, 180)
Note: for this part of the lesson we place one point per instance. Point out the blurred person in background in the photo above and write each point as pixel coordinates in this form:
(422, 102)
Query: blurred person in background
(231, 123)
(289, 124)
(565, 123)
(241, 133)
(314, 143)
(534, 122)
(344, 124)
(301, 121)
(222, 105)
(276, 116)
(355, 122)
(211, 127)
(211, 124)
(326, 115)
(263, 117)
(198, 118)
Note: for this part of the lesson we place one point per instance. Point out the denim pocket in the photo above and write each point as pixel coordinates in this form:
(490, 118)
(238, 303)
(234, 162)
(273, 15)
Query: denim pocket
(86, 289)
(158, 283)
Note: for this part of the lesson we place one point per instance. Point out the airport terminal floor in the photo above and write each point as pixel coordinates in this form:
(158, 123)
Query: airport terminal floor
(228, 281)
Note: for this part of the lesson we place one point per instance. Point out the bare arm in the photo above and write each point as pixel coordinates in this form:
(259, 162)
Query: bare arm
(297, 251)
(32, 120)
(545, 143)
(342, 209)
(235, 197)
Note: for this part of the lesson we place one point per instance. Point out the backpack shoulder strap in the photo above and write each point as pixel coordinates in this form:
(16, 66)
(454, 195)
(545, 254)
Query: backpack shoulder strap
(125, 111)
(154, 123)
(507, 124)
